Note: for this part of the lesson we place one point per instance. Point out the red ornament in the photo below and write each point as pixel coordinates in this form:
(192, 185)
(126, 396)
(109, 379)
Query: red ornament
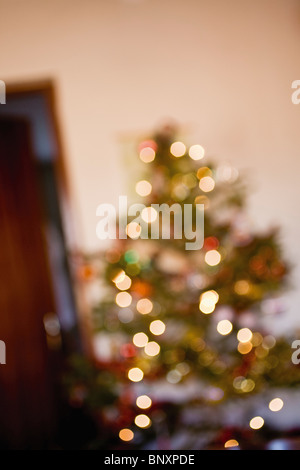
(210, 243)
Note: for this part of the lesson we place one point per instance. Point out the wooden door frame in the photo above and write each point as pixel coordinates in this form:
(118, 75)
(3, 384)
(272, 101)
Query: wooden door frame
(47, 87)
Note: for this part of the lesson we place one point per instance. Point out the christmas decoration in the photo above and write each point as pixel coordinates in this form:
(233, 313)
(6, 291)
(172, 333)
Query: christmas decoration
(182, 360)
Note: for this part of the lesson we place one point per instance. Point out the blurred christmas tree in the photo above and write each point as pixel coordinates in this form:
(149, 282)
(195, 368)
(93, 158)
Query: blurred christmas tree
(181, 349)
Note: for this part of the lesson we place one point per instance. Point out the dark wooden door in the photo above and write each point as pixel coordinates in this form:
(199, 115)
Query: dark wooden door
(26, 389)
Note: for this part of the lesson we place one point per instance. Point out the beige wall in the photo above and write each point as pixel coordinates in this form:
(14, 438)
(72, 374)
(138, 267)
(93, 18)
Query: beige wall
(222, 68)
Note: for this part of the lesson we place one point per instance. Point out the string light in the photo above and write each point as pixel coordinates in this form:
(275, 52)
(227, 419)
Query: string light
(178, 149)
(143, 188)
(157, 327)
(242, 287)
(147, 154)
(152, 348)
(140, 340)
(244, 348)
(142, 421)
(126, 435)
(144, 306)
(196, 152)
(123, 299)
(143, 402)
(257, 422)
(208, 301)
(276, 404)
(124, 284)
(231, 443)
(133, 230)
(206, 184)
(119, 277)
(224, 327)
(244, 335)
(135, 374)
(212, 257)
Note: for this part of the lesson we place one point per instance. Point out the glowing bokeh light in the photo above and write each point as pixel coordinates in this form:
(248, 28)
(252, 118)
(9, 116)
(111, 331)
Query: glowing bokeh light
(147, 154)
(143, 188)
(231, 443)
(256, 423)
(208, 301)
(206, 184)
(135, 374)
(276, 404)
(126, 435)
(242, 287)
(143, 402)
(244, 348)
(244, 335)
(119, 277)
(140, 340)
(196, 152)
(224, 327)
(152, 348)
(144, 306)
(124, 284)
(212, 257)
(142, 421)
(157, 327)
(123, 299)
(178, 149)
(133, 230)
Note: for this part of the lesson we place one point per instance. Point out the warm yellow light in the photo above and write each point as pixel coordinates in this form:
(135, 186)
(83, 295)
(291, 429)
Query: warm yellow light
(119, 277)
(124, 284)
(256, 339)
(143, 402)
(135, 374)
(140, 340)
(257, 422)
(242, 287)
(196, 152)
(212, 257)
(203, 171)
(207, 307)
(149, 214)
(231, 443)
(224, 327)
(178, 149)
(147, 154)
(133, 230)
(157, 327)
(126, 435)
(210, 295)
(208, 301)
(123, 299)
(276, 404)
(152, 348)
(206, 184)
(144, 306)
(244, 335)
(244, 348)
(142, 421)
(247, 385)
(143, 188)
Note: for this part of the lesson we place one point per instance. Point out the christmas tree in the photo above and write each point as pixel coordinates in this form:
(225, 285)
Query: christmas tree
(183, 357)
